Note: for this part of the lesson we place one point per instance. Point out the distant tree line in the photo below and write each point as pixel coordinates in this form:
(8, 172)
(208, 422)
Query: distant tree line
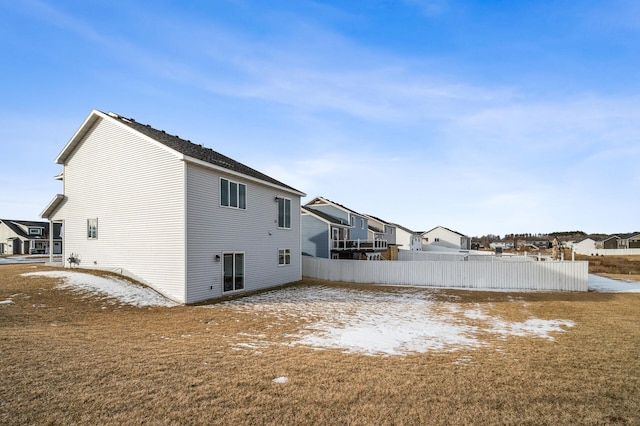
(485, 240)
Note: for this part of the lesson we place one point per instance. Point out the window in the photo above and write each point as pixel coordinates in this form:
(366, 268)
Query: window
(233, 270)
(284, 257)
(284, 213)
(361, 223)
(92, 229)
(35, 231)
(233, 194)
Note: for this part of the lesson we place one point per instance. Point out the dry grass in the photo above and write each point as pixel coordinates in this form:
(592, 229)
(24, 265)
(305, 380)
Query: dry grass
(621, 267)
(68, 360)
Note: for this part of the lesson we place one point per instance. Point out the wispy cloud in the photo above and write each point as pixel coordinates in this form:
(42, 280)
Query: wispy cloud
(429, 8)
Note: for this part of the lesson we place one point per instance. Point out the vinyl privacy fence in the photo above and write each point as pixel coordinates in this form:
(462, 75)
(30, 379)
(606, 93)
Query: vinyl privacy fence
(526, 275)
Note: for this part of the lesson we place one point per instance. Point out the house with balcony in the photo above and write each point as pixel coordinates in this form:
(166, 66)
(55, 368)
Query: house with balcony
(29, 237)
(182, 218)
(333, 231)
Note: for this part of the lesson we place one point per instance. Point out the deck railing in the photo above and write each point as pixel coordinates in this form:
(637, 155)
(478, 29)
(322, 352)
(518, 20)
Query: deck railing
(374, 245)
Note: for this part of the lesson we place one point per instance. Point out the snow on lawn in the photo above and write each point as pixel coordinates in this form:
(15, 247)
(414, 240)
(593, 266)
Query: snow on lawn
(608, 285)
(106, 287)
(385, 323)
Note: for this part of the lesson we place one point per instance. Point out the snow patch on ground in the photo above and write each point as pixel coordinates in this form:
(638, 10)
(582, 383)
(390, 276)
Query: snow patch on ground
(609, 285)
(280, 380)
(6, 302)
(106, 287)
(400, 322)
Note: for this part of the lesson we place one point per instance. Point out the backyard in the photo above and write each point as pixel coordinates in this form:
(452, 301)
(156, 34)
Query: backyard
(87, 349)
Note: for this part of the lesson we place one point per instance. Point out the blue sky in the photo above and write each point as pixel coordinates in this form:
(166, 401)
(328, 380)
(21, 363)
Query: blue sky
(482, 116)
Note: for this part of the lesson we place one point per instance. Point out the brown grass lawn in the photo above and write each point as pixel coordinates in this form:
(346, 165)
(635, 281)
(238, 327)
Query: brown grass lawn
(71, 360)
(620, 267)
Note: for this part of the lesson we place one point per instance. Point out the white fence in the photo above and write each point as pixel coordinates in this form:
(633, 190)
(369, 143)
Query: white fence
(427, 256)
(540, 276)
(609, 252)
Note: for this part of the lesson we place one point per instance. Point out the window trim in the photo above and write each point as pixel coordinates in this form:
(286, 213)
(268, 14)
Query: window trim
(244, 272)
(284, 257)
(35, 231)
(240, 196)
(286, 218)
(92, 235)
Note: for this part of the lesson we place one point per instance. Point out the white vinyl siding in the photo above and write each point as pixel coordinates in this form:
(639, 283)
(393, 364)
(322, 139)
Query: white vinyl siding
(136, 188)
(213, 230)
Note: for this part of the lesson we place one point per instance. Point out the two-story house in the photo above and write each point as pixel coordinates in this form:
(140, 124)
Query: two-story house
(28, 237)
(333, 231)
(446, 238)
(184, 219)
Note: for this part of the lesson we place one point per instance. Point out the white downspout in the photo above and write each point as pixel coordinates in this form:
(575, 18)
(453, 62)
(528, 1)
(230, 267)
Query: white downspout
(50, 241)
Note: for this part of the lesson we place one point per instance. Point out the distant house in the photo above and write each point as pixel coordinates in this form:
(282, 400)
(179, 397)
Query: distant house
(535, 243)
(503, 244)
(28, 237)
(586, 247)
(447, 238)
(630, 241)
(406, 239)
(180, 217)
(333, 231)
(611, 242)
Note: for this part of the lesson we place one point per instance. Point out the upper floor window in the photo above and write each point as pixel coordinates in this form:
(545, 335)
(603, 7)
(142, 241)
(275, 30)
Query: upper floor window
(92, 229)
(284, 213)
(233, 194)
(361, 223)
(35, 231)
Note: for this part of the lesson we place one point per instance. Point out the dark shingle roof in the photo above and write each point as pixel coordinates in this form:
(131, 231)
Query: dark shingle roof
(630, 235)
(13, 225)
(196, 151)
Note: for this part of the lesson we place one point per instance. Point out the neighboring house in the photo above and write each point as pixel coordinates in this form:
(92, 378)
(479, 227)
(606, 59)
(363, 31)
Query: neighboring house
(445, 237)
(345, 231)
(506, 245)
(406, 239)
(611, 242)
(180, 217)
(28, 237)
(381, 230)
(630, 241)
(586, 247)
(318, 232)
(535, 243)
